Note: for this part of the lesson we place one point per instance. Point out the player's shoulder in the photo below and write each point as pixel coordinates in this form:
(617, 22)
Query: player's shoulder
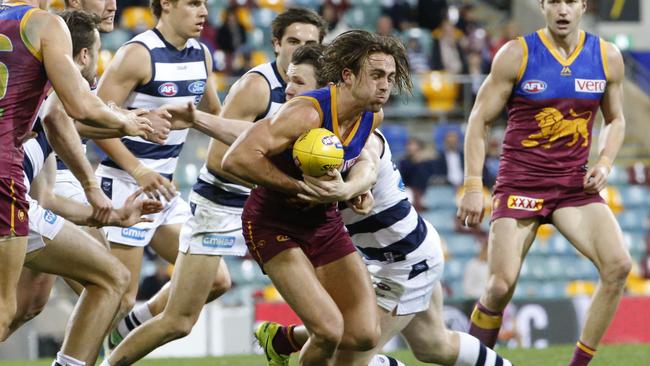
(302, 109)
(509, 59)
(252, 85)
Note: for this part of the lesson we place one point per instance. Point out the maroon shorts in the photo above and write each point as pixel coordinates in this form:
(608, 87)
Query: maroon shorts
(520, 203)
(13, 208)
(322, 244)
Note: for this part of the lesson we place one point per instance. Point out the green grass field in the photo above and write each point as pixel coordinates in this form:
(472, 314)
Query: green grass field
(626, 355)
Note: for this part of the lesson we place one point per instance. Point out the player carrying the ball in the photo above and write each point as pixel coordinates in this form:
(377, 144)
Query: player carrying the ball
(302, 244)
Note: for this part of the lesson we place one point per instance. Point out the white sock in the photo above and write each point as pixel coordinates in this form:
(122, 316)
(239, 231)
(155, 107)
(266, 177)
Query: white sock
(383, 360)
(65, 360)
(471, 351)
(105, 362)
(133, 319)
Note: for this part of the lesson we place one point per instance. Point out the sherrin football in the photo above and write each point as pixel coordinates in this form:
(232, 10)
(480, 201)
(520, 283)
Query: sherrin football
(317, 151)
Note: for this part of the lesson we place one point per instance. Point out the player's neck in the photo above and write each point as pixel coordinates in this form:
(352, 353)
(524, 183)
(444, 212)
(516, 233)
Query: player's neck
(171, 36)
(346, 105)
(567, 44)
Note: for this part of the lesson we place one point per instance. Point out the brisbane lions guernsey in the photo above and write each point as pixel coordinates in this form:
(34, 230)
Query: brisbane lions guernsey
(269, 203)
(551, 111)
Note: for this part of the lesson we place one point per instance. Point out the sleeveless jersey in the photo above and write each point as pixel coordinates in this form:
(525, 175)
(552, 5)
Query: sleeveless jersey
(219, 189)
(177, 77)
(551, 111)
(270, 203)
(22, 84)
(393, 228)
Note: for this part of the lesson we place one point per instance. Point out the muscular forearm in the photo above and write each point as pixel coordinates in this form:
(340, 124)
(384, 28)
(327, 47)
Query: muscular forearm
(475, 143)
(362, 178)
(222, 129)
(72, 211)
(116, 150)
(97, 132)
(259, 170)
(611, 138)
(65, 141)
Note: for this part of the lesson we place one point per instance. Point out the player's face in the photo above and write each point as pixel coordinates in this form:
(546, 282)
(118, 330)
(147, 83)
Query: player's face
(89, 68)
(187, 16)
(105, 9)
(302, 78)
(375, 81)
(296, 35)
(563, 16)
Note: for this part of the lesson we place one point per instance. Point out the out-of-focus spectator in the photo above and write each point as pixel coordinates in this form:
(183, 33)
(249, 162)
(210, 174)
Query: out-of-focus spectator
(447, 50)
(152, 284)
(243, 62)
(231, 35)
(416, 169)
(385, 26)
(400, 12)
(418, 61)
(335, 22)
(476, 273)
(492, 161)
(430, 13)
(508, 32)
(451, 159)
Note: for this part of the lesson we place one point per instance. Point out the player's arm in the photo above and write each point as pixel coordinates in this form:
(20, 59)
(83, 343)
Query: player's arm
(360, 179)
(49, 34)
(490, 101)
(80, 214)
(222, 129)
(613, 132)
(123, 75)
(248, 158)
(65, 141)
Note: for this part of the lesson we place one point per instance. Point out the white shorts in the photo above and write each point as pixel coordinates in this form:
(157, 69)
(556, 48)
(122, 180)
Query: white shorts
(406, 286)
(176, 211)
(213, 229)
(68, 186)
(42, 223)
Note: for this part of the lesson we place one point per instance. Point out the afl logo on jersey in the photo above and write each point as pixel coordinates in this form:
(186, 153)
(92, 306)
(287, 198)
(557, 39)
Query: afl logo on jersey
(533, 86)
(168, 89)
(196, 87)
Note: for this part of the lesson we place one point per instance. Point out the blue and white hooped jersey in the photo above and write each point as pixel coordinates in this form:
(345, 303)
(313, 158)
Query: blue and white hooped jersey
(219, 189)
(393, 228)
(177, 77)
(36, 150)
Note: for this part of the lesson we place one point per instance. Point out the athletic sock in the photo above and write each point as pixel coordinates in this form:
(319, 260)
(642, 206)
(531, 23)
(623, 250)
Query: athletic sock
(582, 355)
(65, 360)
(383, 360)
(284, 343)
(133, 319)
(105, 362)
(473, 353)
(485, 324)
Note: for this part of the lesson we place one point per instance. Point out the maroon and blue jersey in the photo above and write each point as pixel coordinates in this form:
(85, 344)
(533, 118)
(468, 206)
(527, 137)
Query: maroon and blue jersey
(22, 83)
(551, 112)
(272, 203)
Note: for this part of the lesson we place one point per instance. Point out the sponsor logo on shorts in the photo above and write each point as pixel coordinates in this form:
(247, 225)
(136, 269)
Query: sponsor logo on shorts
(383, 286)
(218, 241)
(590, 86)
(196, 87)
(533, 86)
(49, 217)
(134, 233)
(418, 268)
(21, 215)
(401, 186)
(168, 89)
(281, 238)
(525, 203)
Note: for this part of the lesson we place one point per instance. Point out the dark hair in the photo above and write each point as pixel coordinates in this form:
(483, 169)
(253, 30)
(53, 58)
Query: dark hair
(311, 54)
(156, 8)
(351, 49)
(297, 15)
(82, 26)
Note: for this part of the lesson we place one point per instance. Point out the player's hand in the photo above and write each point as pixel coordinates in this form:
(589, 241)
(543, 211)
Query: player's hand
(131, 212)
(154, 184)
(325, 189)
(135, 124)
(596, 179)
(182, 116)
(470, 210)
(362, 204)
(160, 122)
(101, 205)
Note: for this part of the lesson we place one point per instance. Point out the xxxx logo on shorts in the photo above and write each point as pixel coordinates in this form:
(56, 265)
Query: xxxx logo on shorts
(525, 203)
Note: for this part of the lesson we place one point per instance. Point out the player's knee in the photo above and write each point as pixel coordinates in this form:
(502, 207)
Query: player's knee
(499, 287)
(361, 339)
(432, 349)
(121, 279)
(617, 271)
(179, 326)
(328, 334)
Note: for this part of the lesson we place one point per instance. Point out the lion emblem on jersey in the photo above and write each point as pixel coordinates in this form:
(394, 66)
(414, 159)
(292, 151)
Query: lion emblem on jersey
(553, 126)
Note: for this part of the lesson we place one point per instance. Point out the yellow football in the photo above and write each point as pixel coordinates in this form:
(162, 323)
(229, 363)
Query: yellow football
(317, 151)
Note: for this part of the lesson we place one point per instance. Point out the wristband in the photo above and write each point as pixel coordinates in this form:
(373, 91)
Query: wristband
(473, 184)
(90, 184)
(140, 171)
(606, 162)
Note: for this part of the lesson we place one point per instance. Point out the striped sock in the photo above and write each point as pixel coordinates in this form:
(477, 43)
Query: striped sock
(582, 355)
(473, 353)
(383, 360)
(283, 342)
(133, 319)
(65, 360)
(485, 324)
